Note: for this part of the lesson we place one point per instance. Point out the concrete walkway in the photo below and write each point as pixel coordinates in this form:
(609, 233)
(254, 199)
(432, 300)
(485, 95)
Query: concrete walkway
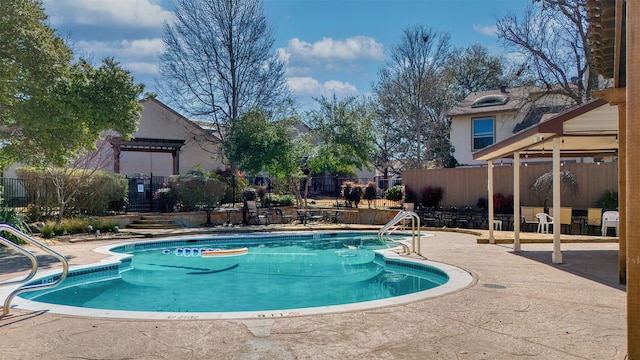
(521, 306)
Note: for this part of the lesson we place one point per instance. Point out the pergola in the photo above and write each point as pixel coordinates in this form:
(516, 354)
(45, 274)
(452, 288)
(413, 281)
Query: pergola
(590, 129)
(171, 146)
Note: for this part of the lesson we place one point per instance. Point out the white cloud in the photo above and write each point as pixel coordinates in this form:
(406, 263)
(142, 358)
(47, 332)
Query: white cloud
(142, 67)
(137, 56)
(345, 55)
(312, 87)
(485, 30)
(350, 49)
(128, 13)
(129, 49)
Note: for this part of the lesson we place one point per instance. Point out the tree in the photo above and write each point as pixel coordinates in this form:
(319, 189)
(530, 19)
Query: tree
(388, 157)
(345, 136)
(256, 144)
(552, 41)
(218, 61)
(415, 90)
(50, 109)
(543, 186)
(475, 69)
(252, 142)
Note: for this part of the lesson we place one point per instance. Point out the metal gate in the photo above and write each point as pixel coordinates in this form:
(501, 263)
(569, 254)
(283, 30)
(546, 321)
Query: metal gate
(141, 190)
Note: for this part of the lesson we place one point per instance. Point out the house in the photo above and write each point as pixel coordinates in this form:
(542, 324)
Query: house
(487, 117)
(166, 143)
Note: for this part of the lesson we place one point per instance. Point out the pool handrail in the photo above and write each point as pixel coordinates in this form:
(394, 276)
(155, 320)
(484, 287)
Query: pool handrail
(34, 265)
(399, 219)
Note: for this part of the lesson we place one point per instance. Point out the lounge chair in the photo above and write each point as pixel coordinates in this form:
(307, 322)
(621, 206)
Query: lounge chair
(565, 218)
(528, 216)
(254, 216)
(594, 218)
(282, 217)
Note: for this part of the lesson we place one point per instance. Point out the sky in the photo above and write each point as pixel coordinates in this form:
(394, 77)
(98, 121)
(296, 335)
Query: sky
(329, 46)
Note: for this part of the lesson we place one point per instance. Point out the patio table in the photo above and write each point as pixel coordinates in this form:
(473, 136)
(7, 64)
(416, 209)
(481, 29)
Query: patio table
(228, 211)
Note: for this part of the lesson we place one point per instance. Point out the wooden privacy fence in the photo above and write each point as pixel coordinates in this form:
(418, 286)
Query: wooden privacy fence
(464, 186)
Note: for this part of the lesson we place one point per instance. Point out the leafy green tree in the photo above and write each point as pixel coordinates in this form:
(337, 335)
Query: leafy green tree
(253, 142)
(287, 165)
(256, 144)
(344, 134)
(51, 108)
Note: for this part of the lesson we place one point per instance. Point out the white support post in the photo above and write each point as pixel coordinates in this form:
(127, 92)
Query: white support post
(516, 202)
(492, 239)
(556, 257)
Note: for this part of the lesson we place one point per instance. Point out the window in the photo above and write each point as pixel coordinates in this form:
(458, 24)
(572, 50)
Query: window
(482, 133)
(490, 100)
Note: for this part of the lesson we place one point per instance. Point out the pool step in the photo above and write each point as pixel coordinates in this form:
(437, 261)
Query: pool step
(153, 221)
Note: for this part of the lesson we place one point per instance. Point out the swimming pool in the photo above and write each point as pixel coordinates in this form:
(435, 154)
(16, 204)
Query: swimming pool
(281, 274)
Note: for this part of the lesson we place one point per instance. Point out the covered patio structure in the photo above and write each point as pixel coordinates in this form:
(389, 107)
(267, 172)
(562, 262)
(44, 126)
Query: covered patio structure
(587, 130)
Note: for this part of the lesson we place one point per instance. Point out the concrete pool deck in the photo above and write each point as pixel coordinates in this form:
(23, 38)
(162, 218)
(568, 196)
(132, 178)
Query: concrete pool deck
(521, 305)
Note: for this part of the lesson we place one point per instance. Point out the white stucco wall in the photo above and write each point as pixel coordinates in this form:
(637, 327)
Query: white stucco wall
(462, 134)
(158, 122)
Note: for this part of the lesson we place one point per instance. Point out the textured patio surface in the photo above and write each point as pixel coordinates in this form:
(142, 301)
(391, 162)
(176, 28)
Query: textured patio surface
(521, 306)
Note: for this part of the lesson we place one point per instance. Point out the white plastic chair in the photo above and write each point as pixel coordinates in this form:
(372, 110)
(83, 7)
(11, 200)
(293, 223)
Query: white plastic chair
(544, 220)
(609, 219)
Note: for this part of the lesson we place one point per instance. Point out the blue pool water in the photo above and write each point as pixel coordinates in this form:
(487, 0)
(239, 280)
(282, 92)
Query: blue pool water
(276, 273)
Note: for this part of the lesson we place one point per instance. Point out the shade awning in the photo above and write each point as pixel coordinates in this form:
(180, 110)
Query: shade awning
(590, 129)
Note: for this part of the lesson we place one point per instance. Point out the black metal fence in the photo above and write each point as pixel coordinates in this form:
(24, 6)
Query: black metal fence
(16, 193)
(141, 190)
(19, 193)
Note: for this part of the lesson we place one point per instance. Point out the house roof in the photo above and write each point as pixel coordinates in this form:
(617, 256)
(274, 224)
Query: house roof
(590, 129)
(494, 101)
(201, 126)
(537, 114)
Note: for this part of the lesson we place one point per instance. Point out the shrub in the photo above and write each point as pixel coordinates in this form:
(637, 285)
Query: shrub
(75, 225)
(482, 203)
(98, 194)
(394, 193)
(370, 192)
(47, 231)
(17, 220)
(193, 192)
(352, 193)
(105, 192)
(249, 194)
(165, 199)
(261, 192)
(230, 180)
(58, 229)
(503, 204)
(608, 200)
(431, 196)
(410, 195)
(104, 225)
(279, 200)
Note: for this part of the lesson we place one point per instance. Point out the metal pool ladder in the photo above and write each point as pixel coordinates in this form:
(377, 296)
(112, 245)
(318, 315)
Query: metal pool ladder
(398, 222)
(34, 265)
